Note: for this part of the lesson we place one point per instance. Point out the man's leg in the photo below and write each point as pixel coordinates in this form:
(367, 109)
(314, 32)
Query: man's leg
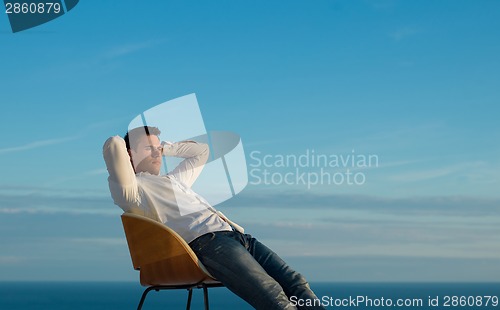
(225, 256)
(292, 282)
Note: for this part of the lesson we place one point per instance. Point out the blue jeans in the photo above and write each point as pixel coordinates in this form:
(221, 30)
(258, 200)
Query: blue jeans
(251, 270)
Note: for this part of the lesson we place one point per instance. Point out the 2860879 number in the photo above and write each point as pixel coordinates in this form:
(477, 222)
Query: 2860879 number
(470, 301)
(32, 8)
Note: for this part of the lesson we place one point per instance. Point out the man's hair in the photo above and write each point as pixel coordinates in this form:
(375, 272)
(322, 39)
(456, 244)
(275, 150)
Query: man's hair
(135, 134)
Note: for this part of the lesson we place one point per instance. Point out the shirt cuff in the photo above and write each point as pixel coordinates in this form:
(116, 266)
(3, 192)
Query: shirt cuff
(168, 148)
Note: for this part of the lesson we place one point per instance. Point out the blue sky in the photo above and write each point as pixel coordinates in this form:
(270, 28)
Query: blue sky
(414, 83)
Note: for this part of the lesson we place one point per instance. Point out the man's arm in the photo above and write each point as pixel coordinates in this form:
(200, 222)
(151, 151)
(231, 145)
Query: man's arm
(195, 154)
(122, 180)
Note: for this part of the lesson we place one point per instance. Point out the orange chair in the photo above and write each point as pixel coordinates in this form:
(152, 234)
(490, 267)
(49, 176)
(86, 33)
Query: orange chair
(164, 259)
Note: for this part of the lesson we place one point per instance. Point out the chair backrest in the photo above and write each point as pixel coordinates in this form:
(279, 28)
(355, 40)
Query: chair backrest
(161, 255)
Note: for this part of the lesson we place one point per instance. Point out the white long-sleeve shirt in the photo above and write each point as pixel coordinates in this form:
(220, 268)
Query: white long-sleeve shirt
(165, 198)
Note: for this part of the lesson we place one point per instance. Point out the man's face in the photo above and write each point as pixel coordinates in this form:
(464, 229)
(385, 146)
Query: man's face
(147, 155)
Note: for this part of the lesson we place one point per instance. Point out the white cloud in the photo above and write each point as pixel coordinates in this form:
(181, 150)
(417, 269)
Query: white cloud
(55, 141)
(52, 210)
(422, 174)
(305, 202)
(427, 174)
(130, 48)
(99, 241)
(402, 239)
(76, 176)
(37, 144)
(97, 171)
(52, 201)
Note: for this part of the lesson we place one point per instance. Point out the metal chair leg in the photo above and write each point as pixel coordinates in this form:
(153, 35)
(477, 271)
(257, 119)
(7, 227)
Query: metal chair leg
(205, 297)
(189, 287)
(190, 294)
(143, 298)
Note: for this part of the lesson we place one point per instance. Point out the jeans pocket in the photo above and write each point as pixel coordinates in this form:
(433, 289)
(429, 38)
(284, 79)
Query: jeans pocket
(198, 244)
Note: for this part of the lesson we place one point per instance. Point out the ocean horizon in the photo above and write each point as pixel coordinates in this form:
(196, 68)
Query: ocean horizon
(348, 295)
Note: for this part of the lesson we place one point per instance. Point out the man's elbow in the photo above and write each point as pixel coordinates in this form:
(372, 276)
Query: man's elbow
(113, 144)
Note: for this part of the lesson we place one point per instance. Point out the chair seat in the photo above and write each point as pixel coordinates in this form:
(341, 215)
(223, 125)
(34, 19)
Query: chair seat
(163, 258)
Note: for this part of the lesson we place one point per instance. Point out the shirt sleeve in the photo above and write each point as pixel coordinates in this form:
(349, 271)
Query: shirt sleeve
(122, 180)
(195, 154)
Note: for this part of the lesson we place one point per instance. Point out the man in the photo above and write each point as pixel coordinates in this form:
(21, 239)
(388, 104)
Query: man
(243, 264)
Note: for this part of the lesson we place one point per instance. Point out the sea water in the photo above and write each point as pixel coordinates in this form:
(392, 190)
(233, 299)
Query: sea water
(125, 295)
